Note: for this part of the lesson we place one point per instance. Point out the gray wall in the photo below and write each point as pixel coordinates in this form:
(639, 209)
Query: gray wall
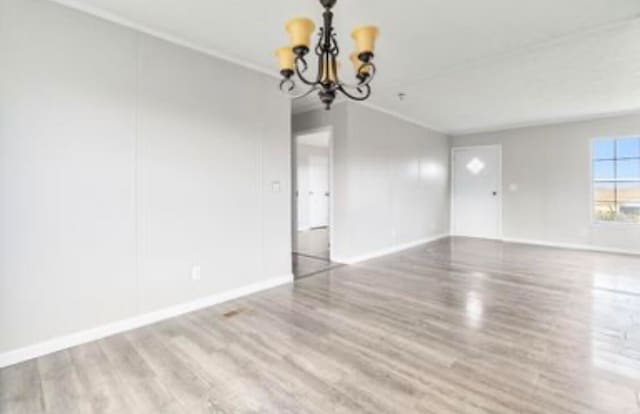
(390, 179)
(124, 161)
(552, 168)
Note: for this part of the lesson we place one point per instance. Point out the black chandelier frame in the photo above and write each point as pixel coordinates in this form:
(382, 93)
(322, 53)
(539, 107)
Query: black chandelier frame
(328, 84)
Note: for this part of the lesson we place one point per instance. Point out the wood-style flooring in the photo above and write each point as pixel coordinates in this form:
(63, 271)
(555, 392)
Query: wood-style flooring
(304, 266)
(313, 243)
(455, 326)
(311, 252)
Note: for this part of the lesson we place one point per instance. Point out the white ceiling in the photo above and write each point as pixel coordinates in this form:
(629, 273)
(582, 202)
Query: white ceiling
(465, 65)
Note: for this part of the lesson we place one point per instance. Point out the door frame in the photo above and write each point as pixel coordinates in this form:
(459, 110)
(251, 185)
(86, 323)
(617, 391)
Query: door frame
(294, 180)
(452, 217)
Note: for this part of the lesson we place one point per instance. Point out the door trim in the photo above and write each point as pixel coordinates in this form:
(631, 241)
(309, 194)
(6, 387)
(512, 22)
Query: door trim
(452, 183)
(294, 163)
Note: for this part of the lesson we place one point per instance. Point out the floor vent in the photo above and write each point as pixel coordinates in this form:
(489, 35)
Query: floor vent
(233, 313)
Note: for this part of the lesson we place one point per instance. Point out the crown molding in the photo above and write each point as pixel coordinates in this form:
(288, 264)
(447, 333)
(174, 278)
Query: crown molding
(318, 106)
(404, 118)
(176, 40)
(545, 122)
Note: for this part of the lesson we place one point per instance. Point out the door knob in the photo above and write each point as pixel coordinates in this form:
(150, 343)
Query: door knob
(495, 193)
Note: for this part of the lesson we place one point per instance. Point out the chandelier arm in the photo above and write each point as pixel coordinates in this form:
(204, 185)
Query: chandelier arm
(306, 93)
(299, 71)
(364, 94)
(290, 85)
(335, 50)
(318, 48)
(365, 81)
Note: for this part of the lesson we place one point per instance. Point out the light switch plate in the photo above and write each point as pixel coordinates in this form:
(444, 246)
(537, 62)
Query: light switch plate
(275, 186)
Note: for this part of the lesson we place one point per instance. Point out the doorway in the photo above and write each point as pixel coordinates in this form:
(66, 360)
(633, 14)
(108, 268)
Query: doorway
(476, 196)
(312, 201)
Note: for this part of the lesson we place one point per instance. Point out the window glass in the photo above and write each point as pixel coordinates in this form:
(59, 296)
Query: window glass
(628, 192)
(628, 169)
(629, 213)
(603, 149)
(628, 148)
(616, 180)
(604, 192)
(605, 211)
(604, 170)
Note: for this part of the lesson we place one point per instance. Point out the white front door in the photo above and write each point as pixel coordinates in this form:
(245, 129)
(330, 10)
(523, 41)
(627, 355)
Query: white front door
(319, 191)
(476, 191)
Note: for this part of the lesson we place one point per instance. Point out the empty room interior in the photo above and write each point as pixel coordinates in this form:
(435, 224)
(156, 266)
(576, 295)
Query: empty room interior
(320, 206)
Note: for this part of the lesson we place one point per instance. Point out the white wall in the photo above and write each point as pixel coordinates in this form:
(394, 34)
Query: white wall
(124, 161)
(551, 167)
(390, 180)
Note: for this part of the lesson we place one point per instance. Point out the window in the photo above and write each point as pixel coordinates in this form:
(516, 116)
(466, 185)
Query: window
(616, 179)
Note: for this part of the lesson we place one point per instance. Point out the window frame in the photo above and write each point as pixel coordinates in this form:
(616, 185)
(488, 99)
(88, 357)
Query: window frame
(592, 182)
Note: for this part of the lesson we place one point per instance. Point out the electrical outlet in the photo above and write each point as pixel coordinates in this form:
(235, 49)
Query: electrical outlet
(196, 273)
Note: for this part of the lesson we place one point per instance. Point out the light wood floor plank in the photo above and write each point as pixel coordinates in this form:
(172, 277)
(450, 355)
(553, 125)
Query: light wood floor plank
(456, 326)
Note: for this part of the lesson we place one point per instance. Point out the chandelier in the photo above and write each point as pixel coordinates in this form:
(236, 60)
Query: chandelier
(326, 82)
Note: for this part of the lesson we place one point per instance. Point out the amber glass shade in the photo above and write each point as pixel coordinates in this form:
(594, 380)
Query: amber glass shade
(357, 63)
(300, 30)
(365, 37)
(285, 58)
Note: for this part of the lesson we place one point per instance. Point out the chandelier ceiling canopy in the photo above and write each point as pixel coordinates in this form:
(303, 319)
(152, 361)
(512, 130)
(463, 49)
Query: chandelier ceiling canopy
(326, 82)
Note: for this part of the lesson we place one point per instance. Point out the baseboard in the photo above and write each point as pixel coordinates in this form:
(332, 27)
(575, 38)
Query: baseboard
(571, 246)
(78, 338)
(389, 250)
(466, 236)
